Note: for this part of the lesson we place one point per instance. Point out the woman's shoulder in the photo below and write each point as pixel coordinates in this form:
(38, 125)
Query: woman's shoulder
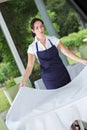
(52, 37)
(54, 40)
(32, 44)
(32, 47)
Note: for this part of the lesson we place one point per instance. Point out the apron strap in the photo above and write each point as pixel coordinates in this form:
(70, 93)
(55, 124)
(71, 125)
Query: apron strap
(36, 46)
(49, 41)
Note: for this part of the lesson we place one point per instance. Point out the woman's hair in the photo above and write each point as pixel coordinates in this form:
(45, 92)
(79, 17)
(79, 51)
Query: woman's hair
(32, 24)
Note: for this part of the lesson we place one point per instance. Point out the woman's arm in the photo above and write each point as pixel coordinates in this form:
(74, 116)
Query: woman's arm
(28, 71)
(70, 54)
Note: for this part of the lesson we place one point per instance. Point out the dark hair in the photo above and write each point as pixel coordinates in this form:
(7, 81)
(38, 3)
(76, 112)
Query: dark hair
(32, 24)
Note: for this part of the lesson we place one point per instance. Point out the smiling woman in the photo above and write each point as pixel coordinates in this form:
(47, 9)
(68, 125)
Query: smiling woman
(46, 50)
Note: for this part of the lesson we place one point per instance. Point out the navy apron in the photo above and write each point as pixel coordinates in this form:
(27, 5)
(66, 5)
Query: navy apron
(52, 69)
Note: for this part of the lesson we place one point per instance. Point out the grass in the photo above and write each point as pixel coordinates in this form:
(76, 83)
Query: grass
(4, 105)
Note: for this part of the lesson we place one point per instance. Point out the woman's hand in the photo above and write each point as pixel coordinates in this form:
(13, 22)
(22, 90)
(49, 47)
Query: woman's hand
(30, 64)
(22, 84)
(84, 62)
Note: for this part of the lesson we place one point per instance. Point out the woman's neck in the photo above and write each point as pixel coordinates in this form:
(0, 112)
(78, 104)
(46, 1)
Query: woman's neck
(42, 39)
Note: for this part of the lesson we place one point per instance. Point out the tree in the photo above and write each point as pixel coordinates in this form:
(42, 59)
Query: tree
(16, 15)
(64, 15)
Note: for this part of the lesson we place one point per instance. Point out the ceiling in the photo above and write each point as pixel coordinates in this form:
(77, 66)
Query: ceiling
(3, 1)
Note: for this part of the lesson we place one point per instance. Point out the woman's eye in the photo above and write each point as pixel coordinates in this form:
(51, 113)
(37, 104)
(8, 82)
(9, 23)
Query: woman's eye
(41, 26)
(36, 27)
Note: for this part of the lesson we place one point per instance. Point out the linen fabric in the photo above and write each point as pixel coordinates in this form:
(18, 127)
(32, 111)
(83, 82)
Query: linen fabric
(35, 109)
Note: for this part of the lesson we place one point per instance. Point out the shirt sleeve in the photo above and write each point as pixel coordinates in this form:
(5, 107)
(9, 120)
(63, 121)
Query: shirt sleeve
(55, 41)
(30, 50)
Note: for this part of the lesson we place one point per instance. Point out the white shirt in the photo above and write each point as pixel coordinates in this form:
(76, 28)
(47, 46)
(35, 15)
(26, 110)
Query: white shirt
(32, 47)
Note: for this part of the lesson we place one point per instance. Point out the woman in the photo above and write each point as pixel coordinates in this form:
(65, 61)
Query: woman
(45, 49)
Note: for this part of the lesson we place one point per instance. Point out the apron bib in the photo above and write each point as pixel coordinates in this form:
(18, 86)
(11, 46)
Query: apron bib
(52, 69)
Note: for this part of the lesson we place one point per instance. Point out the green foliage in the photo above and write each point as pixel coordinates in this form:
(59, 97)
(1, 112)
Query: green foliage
(4, 105)
(7, 58)
(2, 78)
(71, 24)
(17, 14)
(52, 16)
(3, 72)
(65, 17)
(7, 72)
(75, 39)
(10, 83)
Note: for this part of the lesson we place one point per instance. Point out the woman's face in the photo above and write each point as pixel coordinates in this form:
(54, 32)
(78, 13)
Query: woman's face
(38, 29)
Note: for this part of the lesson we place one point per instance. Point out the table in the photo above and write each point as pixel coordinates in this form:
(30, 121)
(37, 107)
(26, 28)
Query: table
(35, 109)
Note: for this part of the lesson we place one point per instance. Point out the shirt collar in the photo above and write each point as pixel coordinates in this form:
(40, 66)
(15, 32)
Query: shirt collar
(36, 40)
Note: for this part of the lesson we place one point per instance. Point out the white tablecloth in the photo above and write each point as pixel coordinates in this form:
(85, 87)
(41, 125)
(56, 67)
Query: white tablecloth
(35, 109)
